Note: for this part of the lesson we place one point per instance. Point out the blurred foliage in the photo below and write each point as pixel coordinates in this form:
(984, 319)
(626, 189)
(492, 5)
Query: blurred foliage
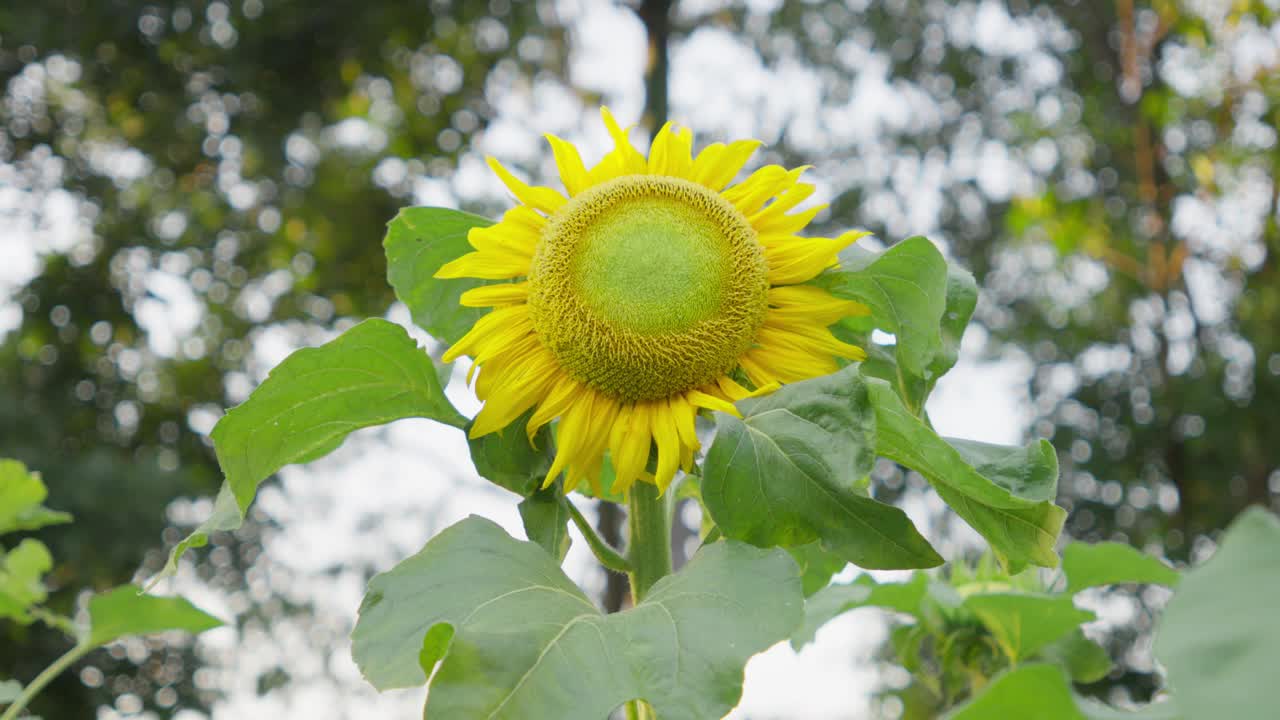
(201, 171)
(1109, 172)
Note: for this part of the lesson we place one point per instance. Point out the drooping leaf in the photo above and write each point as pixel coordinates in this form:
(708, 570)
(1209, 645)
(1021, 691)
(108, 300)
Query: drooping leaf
(506, 457)
(21, 493)
(1023, 624)
(962, 298)
(526, 643)
(817, 566)
(834, 600)
(546, 521)
(906, 288)
(1031, 692)
(226, 516)
(123, 611)
(882, 360)
(419, 241)
(787, 474)
(21, 571)
(370, 375)
(1219, 639)
(1084, 660)
(1091, 565)
(1005, 493)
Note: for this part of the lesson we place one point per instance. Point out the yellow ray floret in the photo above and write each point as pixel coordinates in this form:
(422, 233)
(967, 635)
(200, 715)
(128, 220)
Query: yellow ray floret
(651, 289)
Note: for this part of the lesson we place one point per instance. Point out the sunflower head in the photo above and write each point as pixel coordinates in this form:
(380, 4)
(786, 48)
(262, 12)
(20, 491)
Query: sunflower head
(646, 286)
(645, 293)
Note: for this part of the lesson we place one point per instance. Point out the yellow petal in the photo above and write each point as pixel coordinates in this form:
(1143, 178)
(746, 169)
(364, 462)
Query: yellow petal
(494, 295)
(665, 436)
(485, 266)
(718, 164)
(484, 328)
(629, 445)
(670, 153)
(538, 198)
(803, 259)
(572, 172)
(700, 399)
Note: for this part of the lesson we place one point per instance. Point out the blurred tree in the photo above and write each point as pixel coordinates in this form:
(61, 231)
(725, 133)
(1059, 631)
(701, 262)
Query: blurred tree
(1109, 172)
(192, 173)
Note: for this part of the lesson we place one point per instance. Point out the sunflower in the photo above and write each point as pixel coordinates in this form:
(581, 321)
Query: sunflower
(651, 289)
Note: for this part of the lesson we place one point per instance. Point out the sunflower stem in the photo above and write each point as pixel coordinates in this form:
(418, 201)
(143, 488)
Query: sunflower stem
(649, 545)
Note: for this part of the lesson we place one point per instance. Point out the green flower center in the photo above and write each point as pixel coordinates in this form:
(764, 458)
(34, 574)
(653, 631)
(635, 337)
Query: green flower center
(646, 286)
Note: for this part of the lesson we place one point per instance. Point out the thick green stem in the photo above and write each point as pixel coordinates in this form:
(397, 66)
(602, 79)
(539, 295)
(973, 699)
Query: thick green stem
(44, 678)
(649, 545)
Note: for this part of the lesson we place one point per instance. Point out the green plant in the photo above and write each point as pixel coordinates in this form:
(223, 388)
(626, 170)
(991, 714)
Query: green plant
(108, 616)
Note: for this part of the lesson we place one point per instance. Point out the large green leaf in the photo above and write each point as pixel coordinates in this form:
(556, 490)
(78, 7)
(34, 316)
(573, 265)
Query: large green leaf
(787, 474)
(906, 288)
(123, 611)
(1031, 692)
(1219, 639)
(519, 640)
(1024, 624)
(21, 587)
(1091, 565)
(835, 600)
(372, 374)
(21, 493)
(419, 240)
(1005, 493)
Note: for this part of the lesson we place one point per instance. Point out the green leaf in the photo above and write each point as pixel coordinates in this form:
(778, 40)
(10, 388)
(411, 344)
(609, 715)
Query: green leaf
(9, 691)
(21, 493)
(817, 566)
(528, 644)
(506, 457)
(226, 516)
(1219, 639)
(1004, 493)
(546, 521)
(835, 600)
(1024, 624)
(419, 240)
(906, 288)
(962, 298)
(124, 611)
(1031, 692)
(21, 570)
(370, 375)
(787, 474)
(1091, 565)
(1085, 660)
